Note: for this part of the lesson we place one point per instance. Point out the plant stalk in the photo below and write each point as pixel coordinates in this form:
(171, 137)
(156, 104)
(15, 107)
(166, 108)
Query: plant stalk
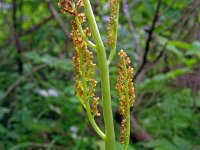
(114, 45)
(87, 105)
(105, 83)
(126, 142)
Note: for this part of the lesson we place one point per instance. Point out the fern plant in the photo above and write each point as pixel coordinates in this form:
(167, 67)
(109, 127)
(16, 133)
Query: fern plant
(84, 68)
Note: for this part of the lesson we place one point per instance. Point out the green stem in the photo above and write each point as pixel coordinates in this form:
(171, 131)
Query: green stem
(86, 102)
(128, 128)
(113, 46)
(90, 44)
(93, 123)
(126, 142)
(105, 83)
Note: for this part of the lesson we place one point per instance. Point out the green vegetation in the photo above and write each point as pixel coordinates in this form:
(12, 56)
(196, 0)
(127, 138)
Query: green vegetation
(38, 104)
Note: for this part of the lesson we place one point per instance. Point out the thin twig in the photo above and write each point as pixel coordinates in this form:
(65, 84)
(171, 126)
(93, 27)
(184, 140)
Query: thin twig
(23, 77)
(16, 38)
(189, 8)
(139, 133)
(36, 26)
(150, 35)
(90, 44)
(57, 17)
(132, 28)
(28, 31)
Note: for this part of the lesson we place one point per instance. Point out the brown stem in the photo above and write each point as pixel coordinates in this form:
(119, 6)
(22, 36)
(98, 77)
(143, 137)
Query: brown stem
(22, 78)
(131, 26)
(16, 38)
(139, 134)
(57, 17)
(36, 26)
(27, 31)
(150, 35)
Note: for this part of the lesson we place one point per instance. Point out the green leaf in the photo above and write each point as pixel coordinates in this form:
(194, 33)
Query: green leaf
(174, 49)
(182, 144)
(162, 144)
(180, 122)
(181, 44)
(194, 49)
(50, 60)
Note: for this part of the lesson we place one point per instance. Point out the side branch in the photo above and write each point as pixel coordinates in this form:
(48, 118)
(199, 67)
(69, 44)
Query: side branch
(115, 30)
(93, 25)
(27, 31)
(90, 44)
(93, 123)
(22, 78)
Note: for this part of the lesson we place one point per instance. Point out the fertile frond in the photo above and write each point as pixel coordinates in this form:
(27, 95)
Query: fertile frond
(125, 92)
(84, 67)
(113, 22)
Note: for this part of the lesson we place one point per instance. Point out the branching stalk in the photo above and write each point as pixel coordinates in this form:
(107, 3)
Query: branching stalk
(87, 106)
(105, 83)
(90, 44)
(84, 69)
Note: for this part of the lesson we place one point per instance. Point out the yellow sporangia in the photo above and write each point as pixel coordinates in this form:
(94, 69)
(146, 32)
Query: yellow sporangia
(125, 91)
(114, 4)
(84, 67)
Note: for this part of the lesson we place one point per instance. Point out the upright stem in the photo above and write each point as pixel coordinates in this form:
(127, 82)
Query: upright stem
(105, 83)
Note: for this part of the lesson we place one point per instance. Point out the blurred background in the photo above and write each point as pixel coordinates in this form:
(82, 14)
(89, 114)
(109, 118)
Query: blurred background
(38, 107)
